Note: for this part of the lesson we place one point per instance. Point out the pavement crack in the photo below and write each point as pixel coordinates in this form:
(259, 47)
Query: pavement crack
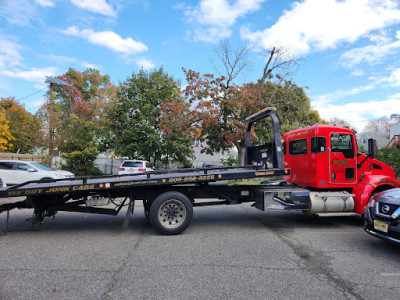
(316, 263)
(114, 280)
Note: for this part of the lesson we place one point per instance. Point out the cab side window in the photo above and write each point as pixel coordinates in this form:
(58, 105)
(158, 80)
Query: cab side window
(284, 148)
(298, 147)
(318, 144)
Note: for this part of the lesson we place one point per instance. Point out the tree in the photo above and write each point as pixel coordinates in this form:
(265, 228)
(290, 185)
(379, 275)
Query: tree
(5, 135)
(79, 110)
(233, 60)
(135, 118)
(339, 122)
(25, 127)
(221, 107)
(176, 139)
(380, 125)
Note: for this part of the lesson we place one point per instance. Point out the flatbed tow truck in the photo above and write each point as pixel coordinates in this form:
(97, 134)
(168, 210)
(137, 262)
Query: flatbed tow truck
(169, 196)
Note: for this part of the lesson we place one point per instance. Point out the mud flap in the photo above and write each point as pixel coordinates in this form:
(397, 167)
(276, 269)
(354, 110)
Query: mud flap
(129, 211)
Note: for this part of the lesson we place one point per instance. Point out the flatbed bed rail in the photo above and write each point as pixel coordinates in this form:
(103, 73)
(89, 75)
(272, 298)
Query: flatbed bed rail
(152, 178)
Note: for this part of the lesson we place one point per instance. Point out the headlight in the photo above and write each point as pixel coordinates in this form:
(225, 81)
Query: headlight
(60, 175)
(371, 203)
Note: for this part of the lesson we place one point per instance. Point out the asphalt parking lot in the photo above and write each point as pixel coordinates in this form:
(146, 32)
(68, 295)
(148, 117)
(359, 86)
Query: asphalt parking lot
(228, 252)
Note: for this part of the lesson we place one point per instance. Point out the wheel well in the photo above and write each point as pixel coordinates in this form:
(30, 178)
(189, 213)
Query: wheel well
(381, 189)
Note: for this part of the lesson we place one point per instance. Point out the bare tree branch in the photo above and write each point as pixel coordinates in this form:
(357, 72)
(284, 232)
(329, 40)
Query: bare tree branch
(234, 60)
(278, 60)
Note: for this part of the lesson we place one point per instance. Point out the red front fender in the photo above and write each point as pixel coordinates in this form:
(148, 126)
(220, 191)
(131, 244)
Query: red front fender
(371, 184)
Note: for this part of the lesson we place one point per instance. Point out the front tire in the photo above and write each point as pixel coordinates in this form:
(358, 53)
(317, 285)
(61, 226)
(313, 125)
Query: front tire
(171, 213)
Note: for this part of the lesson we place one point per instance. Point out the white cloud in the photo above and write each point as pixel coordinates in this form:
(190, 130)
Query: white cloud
(96, 6)
(45, 3)
(59, 58)
(394, 79)
(371, 54)
(328, 98)
(108, 39)
(34, 74)
(11, 63)
(357, 73)
(87, 65)
(145, 64)
(317, 25)
(358, 114)
(20, 12)
(9, 53)
(213, 18)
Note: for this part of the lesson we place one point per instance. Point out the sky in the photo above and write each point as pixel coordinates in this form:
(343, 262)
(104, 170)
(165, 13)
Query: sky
(348, 50)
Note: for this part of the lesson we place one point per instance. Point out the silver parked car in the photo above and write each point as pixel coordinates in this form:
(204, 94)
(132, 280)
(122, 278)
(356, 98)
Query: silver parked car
(134, 166)
(382, 215)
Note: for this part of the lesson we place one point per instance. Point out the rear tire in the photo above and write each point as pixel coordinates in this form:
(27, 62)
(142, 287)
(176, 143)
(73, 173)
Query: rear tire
(171, 213)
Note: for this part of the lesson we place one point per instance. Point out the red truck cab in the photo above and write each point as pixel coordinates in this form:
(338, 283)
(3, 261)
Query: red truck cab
(326, 158)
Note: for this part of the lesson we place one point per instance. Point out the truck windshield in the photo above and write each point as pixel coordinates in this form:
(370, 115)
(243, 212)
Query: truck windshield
(342, 143)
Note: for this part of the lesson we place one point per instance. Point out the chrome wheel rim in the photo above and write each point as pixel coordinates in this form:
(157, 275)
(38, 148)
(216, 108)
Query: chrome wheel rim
(172, 213)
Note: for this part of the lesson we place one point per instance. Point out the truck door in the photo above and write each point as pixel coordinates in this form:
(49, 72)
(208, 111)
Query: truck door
(342, 158)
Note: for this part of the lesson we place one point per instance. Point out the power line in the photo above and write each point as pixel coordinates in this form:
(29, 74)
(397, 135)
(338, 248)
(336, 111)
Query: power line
(32, 94)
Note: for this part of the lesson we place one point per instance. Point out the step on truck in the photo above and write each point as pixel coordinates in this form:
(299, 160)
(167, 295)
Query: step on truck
(322, 172)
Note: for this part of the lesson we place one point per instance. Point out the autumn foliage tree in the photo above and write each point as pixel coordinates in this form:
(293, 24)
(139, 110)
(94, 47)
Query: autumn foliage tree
(5, 135)
(220, 107)
(79, 116)
(24, 127)
(79, 110)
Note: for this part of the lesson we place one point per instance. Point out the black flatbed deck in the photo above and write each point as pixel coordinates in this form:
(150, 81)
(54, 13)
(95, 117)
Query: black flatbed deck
(168, 196)
(153, 178)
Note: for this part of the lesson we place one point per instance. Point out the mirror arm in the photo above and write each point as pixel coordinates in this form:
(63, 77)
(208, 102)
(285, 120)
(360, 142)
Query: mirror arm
(363, 161)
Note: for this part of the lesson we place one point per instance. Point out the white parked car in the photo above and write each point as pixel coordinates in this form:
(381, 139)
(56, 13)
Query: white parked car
(19, 171)
(134, 166)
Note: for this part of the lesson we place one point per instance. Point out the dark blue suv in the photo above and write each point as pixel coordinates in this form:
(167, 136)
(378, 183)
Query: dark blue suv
(382, 215)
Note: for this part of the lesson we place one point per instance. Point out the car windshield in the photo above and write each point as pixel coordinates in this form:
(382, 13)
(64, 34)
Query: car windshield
(40, 167)
(133, 164)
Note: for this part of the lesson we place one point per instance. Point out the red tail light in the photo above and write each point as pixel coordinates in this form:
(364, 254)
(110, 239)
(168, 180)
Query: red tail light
(122, 169)
(141, 169)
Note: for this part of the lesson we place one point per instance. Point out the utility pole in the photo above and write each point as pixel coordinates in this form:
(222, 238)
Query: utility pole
(52, 81)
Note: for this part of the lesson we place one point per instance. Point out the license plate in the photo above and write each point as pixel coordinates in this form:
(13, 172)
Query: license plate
(381, 226)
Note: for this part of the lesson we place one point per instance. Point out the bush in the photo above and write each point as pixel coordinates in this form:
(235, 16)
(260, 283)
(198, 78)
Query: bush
(391, 157)
(230, 161)
(81, 162)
